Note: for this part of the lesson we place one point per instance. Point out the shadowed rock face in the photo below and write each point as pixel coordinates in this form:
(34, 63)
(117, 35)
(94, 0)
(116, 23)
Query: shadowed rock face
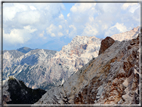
(106, 43)
(111, 78)
(18, 93)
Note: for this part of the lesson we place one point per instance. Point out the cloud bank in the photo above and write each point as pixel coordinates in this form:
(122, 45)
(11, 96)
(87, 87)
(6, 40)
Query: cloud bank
(30, 23)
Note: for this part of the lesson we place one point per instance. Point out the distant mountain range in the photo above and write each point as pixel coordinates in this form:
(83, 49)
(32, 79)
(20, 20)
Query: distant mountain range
(41, 68)
(17, 64)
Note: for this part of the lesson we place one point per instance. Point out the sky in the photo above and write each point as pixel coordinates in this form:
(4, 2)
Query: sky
(53, 25)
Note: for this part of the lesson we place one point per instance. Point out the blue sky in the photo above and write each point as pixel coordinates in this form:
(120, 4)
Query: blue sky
(53, 25)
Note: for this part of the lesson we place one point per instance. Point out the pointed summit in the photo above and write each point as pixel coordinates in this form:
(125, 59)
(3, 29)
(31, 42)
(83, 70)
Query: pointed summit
(24, 49)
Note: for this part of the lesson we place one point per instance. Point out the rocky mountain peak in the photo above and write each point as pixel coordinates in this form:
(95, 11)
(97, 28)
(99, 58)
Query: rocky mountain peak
(24, 49)
(80, 42)
(136, 29)
(83, 39)
(7, 55)
(106, 43)
(127, 35)
(78, 52)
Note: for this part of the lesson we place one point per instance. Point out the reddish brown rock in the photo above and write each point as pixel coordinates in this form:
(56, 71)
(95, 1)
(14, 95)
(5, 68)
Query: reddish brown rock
(106, 43)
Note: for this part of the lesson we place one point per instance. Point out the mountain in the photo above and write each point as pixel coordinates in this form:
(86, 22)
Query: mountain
(40, 68)
(15, 65)
(14, 53)
(110, 78)
(127, 35)
(24, 49)
(73, 56)
(16, 92)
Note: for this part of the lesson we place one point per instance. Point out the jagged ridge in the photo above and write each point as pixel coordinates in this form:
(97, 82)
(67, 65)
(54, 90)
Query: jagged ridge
(111, 78)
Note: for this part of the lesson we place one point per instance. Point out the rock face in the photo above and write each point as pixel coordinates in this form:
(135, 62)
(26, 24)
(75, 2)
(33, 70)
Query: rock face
(73, 56)
(111, 78)
(15, 92)
(18, 64)
(106, 43)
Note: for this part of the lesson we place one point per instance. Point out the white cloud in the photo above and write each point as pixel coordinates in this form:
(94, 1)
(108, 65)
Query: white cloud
(82, 13)
(104, 27)
(20, 6)
(109, 8)
(91, 18)
(29, 17)
(126, 5)
(9, 12)
(81, 7)
(72, 31)
(23, 14)
(117, 28)
(67, 31)
(72, 26)
(29, 29)
(68, 15)
(121, 27)
(134, 8)
(61, 16)
(41, 34)
(18, 17)
(89, 30)
(32, 8)
(60, 26)
(88, 19)
(50, 29)
(17, 36)
(60, 34)
(52, 34)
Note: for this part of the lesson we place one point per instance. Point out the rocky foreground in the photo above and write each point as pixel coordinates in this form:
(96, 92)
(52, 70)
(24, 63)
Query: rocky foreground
(111, 78)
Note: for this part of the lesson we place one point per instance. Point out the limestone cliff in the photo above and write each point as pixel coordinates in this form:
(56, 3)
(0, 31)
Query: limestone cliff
(111, 78)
